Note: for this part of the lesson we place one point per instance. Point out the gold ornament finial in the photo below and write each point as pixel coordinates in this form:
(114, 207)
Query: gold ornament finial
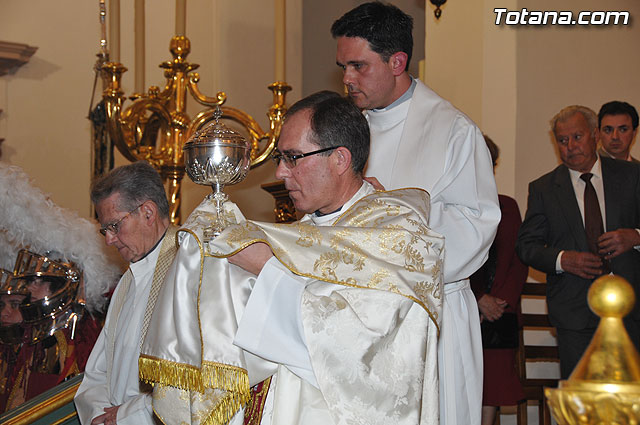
(611, 296)
(604, 388)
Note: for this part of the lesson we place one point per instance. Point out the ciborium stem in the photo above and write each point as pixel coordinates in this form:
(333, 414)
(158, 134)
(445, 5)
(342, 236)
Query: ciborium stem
(218, 197)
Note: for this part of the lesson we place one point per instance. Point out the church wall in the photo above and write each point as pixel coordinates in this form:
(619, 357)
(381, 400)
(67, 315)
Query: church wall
(510, 80)
(46, 101)
(472, 63)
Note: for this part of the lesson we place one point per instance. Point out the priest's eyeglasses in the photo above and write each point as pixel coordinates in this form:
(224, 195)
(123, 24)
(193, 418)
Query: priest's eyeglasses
(114, 228)
(290, 160)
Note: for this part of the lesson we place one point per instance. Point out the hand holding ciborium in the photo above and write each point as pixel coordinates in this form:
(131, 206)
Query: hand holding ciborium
(217, 156)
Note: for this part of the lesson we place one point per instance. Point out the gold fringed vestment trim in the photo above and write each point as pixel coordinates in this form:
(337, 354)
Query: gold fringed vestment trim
(187, 377)
(165, 372)
(226, 377)
(233, 380)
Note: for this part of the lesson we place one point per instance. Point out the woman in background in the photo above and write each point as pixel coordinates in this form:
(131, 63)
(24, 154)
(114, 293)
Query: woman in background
(497, 286)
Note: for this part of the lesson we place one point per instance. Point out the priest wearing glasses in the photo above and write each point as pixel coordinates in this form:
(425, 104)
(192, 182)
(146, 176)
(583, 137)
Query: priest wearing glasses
(341, 309)
(133, 211)
(350, 307)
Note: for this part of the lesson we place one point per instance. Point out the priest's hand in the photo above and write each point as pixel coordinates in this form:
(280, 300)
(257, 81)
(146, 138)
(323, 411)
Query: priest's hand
(108, 418)
(252, 258)
(374, 182)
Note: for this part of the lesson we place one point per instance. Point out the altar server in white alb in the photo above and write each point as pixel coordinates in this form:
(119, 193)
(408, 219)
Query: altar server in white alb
(347, 301)
(134, 214)
(420, 140)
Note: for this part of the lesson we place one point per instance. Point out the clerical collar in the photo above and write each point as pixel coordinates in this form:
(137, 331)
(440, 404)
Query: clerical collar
(154, 247)
(321, 214)
(405, 96)
(326, 219)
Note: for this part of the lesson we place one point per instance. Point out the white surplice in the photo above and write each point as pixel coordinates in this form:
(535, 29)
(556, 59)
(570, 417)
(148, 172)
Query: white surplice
(425, 142)
(121, 387)
(344, 352)
(199, 376)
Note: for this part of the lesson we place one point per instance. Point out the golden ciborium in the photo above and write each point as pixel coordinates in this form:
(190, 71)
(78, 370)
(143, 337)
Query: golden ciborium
(156, 126)
(604, 388)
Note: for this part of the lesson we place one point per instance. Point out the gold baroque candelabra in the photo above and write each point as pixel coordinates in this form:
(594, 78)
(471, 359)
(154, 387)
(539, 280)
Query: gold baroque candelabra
(604, 388)
(156, 126)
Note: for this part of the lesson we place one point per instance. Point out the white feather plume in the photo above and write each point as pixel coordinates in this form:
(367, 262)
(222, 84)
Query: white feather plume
(29, 219)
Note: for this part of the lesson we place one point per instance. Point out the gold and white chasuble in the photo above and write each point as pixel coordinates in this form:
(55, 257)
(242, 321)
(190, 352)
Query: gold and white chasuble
(370, 312)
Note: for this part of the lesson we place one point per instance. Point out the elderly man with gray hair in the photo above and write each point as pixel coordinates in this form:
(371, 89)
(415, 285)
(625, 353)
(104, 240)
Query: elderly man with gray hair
(133, 213)
(581, 222)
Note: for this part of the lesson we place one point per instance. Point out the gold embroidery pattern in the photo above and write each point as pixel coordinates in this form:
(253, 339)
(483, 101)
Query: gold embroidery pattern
(381, 242)
(308, 235)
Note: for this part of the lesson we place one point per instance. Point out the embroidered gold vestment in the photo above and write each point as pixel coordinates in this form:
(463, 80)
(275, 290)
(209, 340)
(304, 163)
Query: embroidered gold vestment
(381, 243)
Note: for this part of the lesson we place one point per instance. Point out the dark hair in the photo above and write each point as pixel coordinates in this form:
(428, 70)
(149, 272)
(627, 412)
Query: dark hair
(619, 108)
(336, 121)
(384, 26)
(135, 183)
(494, 150)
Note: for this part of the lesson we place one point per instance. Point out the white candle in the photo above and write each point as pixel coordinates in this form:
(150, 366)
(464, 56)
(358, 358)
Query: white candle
(139, 30)
(280, 31)
(114, 30)
(181, 17)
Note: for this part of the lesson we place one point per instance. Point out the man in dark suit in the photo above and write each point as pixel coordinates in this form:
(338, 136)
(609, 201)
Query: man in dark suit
(553, 238)
(617, 127)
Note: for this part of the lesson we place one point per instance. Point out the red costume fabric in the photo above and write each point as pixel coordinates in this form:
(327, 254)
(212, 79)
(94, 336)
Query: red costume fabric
(27, 370)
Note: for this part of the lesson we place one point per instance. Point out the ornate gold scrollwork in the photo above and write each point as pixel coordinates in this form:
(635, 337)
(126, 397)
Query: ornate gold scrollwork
(156, 126)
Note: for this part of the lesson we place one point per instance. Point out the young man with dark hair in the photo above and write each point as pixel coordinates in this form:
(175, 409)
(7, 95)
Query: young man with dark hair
(617, 127)
(420, 140)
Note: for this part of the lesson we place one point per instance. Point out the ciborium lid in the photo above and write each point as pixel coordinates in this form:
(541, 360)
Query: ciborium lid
(217, 133)
(217, 155)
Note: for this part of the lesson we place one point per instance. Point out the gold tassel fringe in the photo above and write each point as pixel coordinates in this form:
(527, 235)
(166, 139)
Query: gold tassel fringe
(179, 375)
(153, 370)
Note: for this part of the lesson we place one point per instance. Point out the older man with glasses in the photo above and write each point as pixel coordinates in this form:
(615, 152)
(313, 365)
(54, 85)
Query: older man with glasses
(134, 215)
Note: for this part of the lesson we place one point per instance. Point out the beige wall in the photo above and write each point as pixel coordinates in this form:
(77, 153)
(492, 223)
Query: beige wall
(472, 63)
(510, 80)
(45, 102)
(454, 55)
